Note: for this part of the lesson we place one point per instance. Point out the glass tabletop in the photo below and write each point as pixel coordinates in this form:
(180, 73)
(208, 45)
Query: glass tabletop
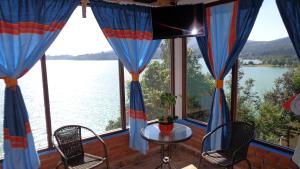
(179, 133)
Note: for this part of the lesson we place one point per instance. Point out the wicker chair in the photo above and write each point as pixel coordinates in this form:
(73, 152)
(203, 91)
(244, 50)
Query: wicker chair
(71, 150)
(241, 135)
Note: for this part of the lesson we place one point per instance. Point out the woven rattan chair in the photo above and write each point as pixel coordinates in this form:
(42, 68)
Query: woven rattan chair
(69, 145)
(241, 135)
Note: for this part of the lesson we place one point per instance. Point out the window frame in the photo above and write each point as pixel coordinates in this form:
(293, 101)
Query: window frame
(122, 98)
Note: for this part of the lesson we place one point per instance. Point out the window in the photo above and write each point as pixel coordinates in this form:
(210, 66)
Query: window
(268, 75)
(155, 80)
(200, 84)
(32, 91)
(83, 77)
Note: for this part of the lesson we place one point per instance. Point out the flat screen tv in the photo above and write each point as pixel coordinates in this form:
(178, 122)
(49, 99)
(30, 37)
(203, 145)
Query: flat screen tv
(178, 21)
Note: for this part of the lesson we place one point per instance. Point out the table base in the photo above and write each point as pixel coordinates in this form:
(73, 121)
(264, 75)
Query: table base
(165, 155)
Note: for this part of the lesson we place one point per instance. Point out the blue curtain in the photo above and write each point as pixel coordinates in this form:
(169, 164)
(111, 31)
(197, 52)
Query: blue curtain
(290, 14)
(128, 29)
(27, 28)
(227, 29)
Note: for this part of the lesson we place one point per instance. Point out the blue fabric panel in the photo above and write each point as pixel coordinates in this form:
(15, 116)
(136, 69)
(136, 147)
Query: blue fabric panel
(220, 31)
(220, 139)
(15, 115)
(247, 14)
(14, 154)
(136, 95)
(128, 29)
(217, 40)
(122, 17)
(20, 51)
(290, 14)
(18, 154)
(136, 141)
(134, 54)
(138, 119)
(38, 11)
(14, 62)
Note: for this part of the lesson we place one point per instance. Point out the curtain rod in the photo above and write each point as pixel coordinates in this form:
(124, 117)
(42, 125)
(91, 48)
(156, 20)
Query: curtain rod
(155, 4)
(130, 2)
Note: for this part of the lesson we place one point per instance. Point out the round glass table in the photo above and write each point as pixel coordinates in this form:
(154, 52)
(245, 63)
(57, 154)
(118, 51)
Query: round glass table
(179, 133)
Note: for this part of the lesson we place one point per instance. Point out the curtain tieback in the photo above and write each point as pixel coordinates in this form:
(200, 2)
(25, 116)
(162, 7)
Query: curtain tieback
(135, 76)
(219, 84)
(10, 83)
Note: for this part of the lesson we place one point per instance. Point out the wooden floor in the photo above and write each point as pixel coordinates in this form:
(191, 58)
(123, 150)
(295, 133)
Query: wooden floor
(181, 159)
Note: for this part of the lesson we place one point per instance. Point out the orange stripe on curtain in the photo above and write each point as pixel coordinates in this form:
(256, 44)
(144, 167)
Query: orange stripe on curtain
(127, 34)
(137, 114)
(29, 27)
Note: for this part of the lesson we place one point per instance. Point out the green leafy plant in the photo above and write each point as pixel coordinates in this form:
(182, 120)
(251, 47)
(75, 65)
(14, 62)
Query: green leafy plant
(167, 100)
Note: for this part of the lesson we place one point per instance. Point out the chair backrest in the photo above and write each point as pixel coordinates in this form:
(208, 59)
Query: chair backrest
(69, 142)
(241, 133)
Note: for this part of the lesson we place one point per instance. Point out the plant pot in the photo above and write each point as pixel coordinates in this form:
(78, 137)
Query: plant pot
(165, 127)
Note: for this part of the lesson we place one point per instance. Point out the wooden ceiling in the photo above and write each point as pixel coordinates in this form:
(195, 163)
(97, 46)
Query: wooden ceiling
(163, 2)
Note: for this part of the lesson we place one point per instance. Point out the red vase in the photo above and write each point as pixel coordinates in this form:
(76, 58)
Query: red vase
(165, 128)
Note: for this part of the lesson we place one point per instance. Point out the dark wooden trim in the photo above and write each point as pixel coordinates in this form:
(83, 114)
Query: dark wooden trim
(197, 122)
(184, 72)
(234, 88)
(217, 3)
(172, 59)
(122, 95)
(46, 100)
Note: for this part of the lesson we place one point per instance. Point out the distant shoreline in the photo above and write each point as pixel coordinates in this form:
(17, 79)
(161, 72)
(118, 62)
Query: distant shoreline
(62, 59)
(74, 59)
(266, 65)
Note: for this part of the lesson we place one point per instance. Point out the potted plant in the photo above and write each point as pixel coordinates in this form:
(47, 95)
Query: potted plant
(166, 120)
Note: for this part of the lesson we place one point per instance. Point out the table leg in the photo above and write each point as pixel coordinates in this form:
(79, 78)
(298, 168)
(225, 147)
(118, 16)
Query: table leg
(165, 156)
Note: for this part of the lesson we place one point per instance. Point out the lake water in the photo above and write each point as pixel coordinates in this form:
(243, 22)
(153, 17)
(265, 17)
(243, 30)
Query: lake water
(87, 93)
(263, 77)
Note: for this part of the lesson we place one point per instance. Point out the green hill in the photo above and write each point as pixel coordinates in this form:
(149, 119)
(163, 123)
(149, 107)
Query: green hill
(252, 50)
(258, 49)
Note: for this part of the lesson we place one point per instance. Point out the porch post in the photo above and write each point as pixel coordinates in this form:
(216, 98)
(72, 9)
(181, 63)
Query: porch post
(180, 76)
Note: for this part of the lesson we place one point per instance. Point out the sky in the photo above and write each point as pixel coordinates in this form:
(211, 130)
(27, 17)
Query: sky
(268, 25)
(83, 35)
(79, 36)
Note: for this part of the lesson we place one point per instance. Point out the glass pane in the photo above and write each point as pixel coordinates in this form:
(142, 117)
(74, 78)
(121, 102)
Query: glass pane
(268, 76)
(31, 85)
(83, 77)
(200, 84)
(155, 80)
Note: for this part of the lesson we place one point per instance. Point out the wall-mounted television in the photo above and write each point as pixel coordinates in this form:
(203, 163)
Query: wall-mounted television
(178, 21)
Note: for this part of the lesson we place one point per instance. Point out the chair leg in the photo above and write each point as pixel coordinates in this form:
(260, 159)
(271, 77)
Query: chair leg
(249, 164)
(200, 161)
(107, 163)
(58, 164)
(231, 167)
